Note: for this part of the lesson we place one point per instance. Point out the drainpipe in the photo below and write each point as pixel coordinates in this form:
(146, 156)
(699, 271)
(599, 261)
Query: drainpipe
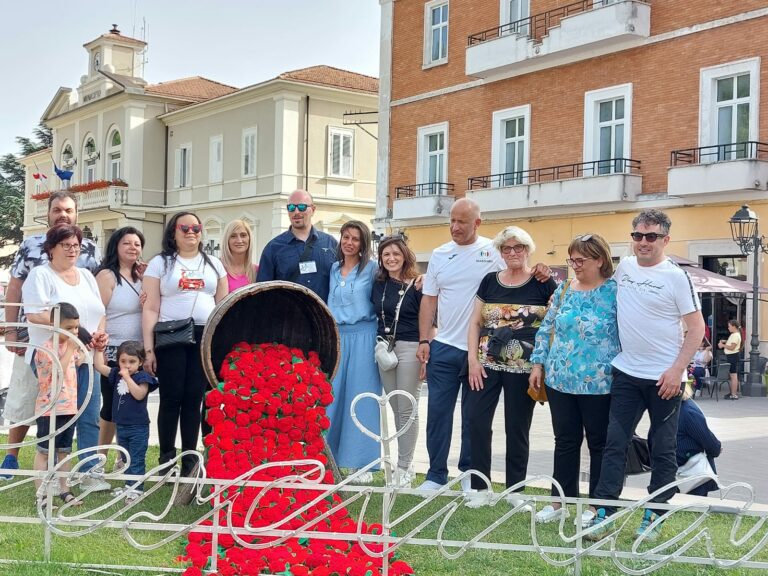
(306, 146)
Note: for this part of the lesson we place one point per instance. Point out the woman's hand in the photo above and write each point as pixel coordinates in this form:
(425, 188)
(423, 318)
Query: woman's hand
(99, 341)
(536, 379)
(476, 374)
(150, 363)
(419, 282)
(142, 298)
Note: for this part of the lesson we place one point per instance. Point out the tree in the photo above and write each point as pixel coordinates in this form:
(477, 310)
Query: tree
(12, 189)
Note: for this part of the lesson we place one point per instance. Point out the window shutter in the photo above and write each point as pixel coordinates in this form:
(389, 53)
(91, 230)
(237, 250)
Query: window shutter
(177, 168)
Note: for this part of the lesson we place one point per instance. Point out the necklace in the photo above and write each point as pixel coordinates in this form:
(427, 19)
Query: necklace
(67, 276)
(401, 293)
(199, 262)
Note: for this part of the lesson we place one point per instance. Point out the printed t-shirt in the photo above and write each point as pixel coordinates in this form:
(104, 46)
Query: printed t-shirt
(511, 316)
(651, 301)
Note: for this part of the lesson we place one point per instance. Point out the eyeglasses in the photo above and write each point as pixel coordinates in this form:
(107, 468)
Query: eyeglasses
(584, 238)
(299, 207)
(70, 247)
(576, 262)
(517, 248)
(649, 236)
(194, 228)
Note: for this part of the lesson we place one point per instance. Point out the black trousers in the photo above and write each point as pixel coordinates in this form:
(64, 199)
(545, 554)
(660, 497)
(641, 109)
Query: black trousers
(573, 416)
(182, 383)
(518, 413)
(630, 396)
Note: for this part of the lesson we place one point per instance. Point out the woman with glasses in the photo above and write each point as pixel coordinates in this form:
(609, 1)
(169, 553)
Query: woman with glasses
(396, 300)
(508, 310)
(119, 280)
(350, 303)
(575, 345)
(181, 282)
(236, 255)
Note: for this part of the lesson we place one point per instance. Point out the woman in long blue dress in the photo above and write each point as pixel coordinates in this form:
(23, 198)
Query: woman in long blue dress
(349, 299)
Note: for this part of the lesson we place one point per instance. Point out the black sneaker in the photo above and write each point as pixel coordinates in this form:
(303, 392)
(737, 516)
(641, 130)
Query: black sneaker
(731, 397)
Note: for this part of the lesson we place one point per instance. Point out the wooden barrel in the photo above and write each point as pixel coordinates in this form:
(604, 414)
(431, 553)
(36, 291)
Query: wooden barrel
(278, 311)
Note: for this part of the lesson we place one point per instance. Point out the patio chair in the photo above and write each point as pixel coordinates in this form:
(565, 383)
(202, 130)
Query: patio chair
(713, 383)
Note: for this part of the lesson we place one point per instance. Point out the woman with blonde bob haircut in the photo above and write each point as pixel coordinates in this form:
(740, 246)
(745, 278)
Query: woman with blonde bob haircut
(578, 339)
(237, 254)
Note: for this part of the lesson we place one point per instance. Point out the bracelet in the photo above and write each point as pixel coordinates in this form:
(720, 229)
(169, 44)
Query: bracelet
(423, 342)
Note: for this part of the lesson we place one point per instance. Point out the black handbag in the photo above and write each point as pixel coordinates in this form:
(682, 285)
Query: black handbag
(638, 456)
(174, 333)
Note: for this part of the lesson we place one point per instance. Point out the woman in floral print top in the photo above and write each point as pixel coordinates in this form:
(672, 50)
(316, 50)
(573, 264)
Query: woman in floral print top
(575, 345)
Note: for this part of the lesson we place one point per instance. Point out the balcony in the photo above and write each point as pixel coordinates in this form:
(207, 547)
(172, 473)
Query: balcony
(111, 197)
(571, 33)
(722, 168)
(605, 182)
(423, 201)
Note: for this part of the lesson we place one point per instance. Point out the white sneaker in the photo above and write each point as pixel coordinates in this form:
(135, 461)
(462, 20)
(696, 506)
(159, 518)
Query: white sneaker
(364, 478)
(586, 519)
(404, 478)
(132, 495)
(477, 499)
(515, 499)
(429, 486)
(95, 484)
(549, 514)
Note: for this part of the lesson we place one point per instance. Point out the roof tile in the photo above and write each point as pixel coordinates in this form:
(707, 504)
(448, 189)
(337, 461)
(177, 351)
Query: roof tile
(195, 88)
(335, 77)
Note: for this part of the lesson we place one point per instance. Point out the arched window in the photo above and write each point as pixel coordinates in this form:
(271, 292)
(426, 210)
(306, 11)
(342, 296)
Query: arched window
(89, 159)
(114, 168)
(67, 157)
(212, 236)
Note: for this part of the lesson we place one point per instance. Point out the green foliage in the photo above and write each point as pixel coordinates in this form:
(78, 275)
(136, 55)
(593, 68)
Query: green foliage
(12, 189)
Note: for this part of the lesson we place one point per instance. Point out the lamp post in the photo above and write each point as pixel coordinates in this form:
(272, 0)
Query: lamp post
(745, 233)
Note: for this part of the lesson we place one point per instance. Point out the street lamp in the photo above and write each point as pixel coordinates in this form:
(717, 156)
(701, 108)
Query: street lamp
(745, 233)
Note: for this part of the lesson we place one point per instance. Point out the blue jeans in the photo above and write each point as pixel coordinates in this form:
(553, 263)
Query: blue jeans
(630, 396)
(88, 423)
(134, 439)
(445, 364)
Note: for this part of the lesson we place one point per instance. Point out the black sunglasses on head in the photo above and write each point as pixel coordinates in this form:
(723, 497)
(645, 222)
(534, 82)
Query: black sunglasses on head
(649, 236)
(299, 207)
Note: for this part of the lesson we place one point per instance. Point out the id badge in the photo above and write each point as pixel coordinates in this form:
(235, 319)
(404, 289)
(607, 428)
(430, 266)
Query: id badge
(308, 267)
(191, 280)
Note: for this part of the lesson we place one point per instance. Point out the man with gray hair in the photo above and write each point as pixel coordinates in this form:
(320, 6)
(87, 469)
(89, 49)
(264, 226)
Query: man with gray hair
(656, 302)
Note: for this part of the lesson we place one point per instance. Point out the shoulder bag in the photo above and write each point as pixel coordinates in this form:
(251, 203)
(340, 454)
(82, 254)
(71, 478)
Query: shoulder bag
(540, 395)
(384, 353)
(696, 471)
(177, 332)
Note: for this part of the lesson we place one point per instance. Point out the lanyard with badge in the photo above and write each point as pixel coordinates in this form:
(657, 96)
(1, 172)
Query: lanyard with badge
(306, 266)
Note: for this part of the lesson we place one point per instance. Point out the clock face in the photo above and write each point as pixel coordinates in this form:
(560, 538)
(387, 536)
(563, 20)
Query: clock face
(97, 60)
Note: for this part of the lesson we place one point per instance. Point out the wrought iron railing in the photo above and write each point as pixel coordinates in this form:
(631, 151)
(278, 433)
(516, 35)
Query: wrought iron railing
(551, 173)
(748, 150)
(425, 189)
(536, 26)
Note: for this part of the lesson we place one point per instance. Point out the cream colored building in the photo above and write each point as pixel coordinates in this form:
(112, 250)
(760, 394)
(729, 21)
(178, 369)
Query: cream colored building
(195, 144)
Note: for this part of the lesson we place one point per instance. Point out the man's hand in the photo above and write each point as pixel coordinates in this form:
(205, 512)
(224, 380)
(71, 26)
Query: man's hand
(10, 336)
(669, 384)
(542, 272)
(422, 352)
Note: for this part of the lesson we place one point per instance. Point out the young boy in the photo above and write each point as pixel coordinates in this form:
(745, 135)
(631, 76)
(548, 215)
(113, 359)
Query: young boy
(130, 385)
(68, 354)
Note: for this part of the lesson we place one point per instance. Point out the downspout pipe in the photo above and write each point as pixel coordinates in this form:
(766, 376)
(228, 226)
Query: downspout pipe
(306, 146)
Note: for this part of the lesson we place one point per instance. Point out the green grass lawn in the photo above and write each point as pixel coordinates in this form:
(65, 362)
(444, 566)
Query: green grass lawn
(108, 546)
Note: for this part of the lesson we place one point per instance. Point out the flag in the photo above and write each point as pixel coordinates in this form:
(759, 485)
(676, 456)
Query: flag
(40, 176)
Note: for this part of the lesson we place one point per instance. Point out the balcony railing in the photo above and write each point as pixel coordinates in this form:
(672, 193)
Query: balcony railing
(720, 152)
(426, 189)
(536, 26)
(552, 173)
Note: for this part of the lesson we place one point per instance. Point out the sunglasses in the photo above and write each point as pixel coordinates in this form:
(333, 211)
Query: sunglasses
(517, 248)
(584, 238)
(649, 236)
(576, 262)
(299, 207)
(194, 228)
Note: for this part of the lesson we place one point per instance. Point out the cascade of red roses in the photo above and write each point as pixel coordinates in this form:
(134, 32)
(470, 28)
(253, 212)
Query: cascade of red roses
(270, 407)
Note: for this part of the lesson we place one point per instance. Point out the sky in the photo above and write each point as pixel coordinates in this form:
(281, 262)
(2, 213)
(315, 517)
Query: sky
(237, 42)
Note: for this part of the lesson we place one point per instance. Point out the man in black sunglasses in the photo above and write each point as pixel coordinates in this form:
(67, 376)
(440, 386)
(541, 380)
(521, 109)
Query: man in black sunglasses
(301, 254)
(655, 301)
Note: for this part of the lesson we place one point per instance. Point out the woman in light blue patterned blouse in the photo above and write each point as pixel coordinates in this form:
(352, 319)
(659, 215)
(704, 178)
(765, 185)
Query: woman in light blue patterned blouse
(577, 340)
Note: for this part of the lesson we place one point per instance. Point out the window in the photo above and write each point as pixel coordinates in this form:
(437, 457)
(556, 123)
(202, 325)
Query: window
(728, 116)
(607, 129)
(512, 12)
(114, 144)
(435, 32)
(432, 156)
(249, 152)
(340, 152)
(182, 172)
(67, 157)
(215, 158)
(89, 160)
(510, 144)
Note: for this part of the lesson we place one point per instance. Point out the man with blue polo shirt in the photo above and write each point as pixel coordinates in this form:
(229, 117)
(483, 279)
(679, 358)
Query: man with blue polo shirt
(301, 254)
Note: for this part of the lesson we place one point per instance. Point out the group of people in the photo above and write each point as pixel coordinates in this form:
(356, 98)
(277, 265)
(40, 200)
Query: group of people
(605, 345)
